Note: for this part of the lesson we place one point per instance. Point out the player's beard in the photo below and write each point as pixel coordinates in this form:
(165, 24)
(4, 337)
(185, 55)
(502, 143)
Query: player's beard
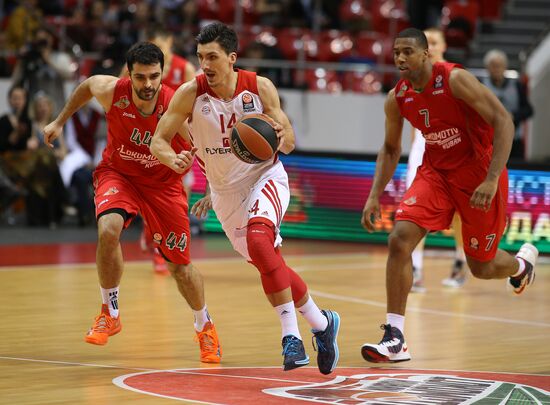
(146, 94)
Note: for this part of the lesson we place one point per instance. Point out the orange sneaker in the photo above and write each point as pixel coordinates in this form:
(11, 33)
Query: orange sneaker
(104, 326)
(159, 264)
(211, 351)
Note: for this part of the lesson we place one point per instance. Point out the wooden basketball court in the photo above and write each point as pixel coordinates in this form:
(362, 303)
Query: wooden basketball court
(46, 310)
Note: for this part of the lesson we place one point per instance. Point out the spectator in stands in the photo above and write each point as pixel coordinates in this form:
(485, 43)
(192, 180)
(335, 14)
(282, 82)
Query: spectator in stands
(15, 126)
(15, 131)
(47, 195)
(512, 93)
(424, 13)
(259, 51)
(22, 23)
(5, 65)
(271, 12)
(83, 130)
(42, 68)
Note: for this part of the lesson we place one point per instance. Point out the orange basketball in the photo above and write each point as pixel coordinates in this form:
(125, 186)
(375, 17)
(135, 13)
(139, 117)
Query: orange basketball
(253, 139)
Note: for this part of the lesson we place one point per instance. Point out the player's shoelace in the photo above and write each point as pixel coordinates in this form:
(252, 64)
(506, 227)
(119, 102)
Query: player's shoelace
(388, 338)
(318, 343)
(102, 323)
(291, 346)
(206, 341)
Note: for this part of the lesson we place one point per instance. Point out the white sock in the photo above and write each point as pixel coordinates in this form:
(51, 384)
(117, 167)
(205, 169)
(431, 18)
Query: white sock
(287, 316)
(313, 315)
(521, 267)
(418, 258)
(110, 298)
(397, 321)
(201, 317)
(459, 254)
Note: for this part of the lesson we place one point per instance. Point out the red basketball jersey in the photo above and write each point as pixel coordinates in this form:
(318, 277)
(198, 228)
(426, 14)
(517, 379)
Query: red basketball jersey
(129, 136)
(456, 135)
(176, 74)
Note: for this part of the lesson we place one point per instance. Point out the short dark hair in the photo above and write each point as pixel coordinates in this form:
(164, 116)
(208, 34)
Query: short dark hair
(145, 53)
(414, 33)
(217, 32)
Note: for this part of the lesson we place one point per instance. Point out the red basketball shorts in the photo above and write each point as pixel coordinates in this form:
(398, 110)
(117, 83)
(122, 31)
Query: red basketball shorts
(433, 198)
(163, 207)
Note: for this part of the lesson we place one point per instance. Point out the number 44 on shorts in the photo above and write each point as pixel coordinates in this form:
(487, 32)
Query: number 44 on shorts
(173, 242)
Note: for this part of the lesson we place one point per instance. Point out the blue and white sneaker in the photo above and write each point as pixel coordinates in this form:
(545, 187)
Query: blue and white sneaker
(391, 349)
(529, 254)
(327, 347)
(294, 352)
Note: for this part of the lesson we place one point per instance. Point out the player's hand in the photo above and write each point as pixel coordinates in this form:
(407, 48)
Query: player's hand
(484, 194)
(371, 213)
(201, 207)
(281, 133)
(183, 160)
(51, 133)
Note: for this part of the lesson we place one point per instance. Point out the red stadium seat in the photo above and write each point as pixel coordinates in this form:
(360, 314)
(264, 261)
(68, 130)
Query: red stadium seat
(227, 11)
(334, 45)
(459, 20)
(389, 16)
(353, 10)
(322, 80)
(361, 82)
(208, 9)
(291, 41)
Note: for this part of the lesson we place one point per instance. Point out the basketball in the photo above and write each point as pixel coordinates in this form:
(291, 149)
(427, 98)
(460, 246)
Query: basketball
(253, 139)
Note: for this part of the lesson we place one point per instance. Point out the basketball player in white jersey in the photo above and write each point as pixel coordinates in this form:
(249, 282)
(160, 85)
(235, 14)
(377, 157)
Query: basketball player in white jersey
(250, 200)
(437, 47)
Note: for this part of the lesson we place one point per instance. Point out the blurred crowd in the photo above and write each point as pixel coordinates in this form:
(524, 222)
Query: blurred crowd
(45, 43)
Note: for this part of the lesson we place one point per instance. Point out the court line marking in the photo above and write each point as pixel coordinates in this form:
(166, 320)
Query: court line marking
(215, 260)
(195, 369)
(362, 301)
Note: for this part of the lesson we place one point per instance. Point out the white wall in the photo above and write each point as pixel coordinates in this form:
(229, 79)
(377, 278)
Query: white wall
(538, 69)
(323, 122)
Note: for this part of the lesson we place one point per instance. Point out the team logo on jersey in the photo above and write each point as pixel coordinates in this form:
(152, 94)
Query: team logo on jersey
(226, 143)
(248, 102)
(205, 110)
(122, 103)
(111, 191)
(402, 90)
(160, 110)
(157, 238)
(411, 200)
(438, 82)
(474, 244)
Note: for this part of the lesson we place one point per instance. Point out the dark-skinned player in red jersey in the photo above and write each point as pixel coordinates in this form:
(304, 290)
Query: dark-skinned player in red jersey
(130, 180)
(468, 140)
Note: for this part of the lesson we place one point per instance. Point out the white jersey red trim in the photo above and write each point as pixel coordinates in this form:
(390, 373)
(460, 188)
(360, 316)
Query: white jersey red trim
(210, 129)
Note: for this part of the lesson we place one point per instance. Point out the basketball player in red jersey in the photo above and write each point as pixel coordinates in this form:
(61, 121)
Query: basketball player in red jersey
(468, 140)
(130, 180)
(250, 200)
(177, 70)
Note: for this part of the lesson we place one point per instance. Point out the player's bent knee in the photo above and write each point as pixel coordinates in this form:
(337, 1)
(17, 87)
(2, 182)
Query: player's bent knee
(181, 272)
(398, 244)
(481, 270)
(260, 238)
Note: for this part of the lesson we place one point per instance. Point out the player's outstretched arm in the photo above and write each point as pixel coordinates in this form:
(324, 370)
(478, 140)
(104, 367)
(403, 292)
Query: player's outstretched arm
(171, 123)
(386, 162)
(466, 87)
(272, 107)
(100, 86)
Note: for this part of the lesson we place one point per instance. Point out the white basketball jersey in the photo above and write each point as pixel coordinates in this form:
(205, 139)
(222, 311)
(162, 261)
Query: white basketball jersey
(210, 130)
